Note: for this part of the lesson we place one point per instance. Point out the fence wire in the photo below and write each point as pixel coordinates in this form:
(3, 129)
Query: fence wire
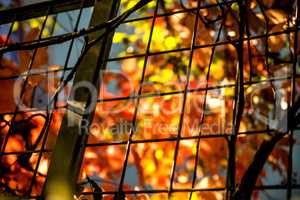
(235, 73)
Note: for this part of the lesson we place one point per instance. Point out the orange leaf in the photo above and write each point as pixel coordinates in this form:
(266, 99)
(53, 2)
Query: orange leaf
(41, 57)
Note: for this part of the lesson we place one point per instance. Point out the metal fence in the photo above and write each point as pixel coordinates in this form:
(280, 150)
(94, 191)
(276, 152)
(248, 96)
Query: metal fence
(257, 42)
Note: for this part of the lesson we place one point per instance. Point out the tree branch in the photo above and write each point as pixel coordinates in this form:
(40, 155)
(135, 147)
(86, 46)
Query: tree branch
(238, 106)
(249, 179)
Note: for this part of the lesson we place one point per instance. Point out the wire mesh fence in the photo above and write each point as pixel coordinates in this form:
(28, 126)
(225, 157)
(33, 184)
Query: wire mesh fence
(30, 126)
(190, 99)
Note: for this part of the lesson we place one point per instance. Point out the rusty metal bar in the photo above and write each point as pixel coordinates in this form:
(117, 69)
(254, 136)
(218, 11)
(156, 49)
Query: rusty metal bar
(41, 9)
(68, 154)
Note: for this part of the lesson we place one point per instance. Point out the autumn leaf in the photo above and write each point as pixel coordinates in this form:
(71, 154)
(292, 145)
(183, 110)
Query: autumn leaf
(276, 16)
(26, 58)
(159, 106)
(8, 69)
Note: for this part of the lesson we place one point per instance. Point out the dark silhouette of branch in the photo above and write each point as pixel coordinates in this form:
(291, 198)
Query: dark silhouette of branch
(238, 106)
(292, 118)
(250, 177)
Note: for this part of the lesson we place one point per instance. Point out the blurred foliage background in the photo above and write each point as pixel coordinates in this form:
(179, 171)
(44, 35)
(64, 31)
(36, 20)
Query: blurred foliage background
(163, 41)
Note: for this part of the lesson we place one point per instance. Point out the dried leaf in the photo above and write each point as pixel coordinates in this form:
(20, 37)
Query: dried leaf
(276, 16)
(41, 57)
(7, 100)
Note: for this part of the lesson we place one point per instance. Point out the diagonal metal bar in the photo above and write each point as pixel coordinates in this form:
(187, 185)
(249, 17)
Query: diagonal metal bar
(136, 109)
(293, 99)
(67, 156)
(181, 119)
(41, 9)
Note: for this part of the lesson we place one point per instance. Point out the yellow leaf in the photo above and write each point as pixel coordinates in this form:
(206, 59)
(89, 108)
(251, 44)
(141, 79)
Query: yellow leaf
(158, 33)
(171, 42)
(119, 37)
(45, 33)
(34, 23)
(235, 6)
(15, 26)
(164, 76)
(216, 69)
(149, 166)
(159, 154)
(195, 196)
